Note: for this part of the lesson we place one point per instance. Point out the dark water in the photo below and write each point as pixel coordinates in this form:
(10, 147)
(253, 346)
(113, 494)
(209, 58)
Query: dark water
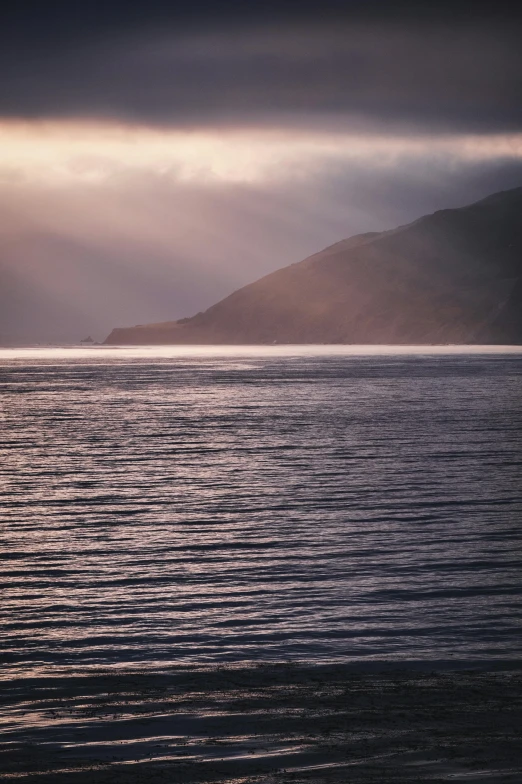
(177, 507)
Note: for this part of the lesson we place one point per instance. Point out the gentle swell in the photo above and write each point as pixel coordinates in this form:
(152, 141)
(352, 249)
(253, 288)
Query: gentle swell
(195, 510)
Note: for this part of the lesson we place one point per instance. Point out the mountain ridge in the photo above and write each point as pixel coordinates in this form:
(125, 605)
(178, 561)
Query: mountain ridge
(453, 276)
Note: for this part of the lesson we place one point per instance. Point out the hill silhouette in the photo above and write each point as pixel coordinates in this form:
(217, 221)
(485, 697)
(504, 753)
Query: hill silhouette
(451, 277)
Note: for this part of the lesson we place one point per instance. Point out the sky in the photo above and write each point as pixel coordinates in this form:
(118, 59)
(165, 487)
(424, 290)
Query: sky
(156, 156)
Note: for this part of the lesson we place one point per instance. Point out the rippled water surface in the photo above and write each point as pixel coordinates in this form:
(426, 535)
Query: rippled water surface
(256, 504)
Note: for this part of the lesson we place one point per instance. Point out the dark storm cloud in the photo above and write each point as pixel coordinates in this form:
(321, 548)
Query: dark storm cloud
(285, 64)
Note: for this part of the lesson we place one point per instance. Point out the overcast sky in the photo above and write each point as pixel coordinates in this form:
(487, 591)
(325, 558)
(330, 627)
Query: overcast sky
(155, 157)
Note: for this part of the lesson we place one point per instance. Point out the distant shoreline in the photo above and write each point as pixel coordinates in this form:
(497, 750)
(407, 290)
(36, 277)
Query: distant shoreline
(355, 349)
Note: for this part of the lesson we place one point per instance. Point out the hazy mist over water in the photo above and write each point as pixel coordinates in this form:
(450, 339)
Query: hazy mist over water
(169, 505)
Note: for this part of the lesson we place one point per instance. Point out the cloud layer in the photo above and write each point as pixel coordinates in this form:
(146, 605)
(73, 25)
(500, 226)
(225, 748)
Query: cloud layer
(354, 74)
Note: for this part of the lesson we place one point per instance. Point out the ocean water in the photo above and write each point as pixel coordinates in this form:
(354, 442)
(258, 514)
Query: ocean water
(193, 506)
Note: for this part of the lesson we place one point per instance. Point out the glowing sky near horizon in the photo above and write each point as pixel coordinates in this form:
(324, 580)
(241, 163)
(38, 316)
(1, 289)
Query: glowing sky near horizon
(75, 152)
